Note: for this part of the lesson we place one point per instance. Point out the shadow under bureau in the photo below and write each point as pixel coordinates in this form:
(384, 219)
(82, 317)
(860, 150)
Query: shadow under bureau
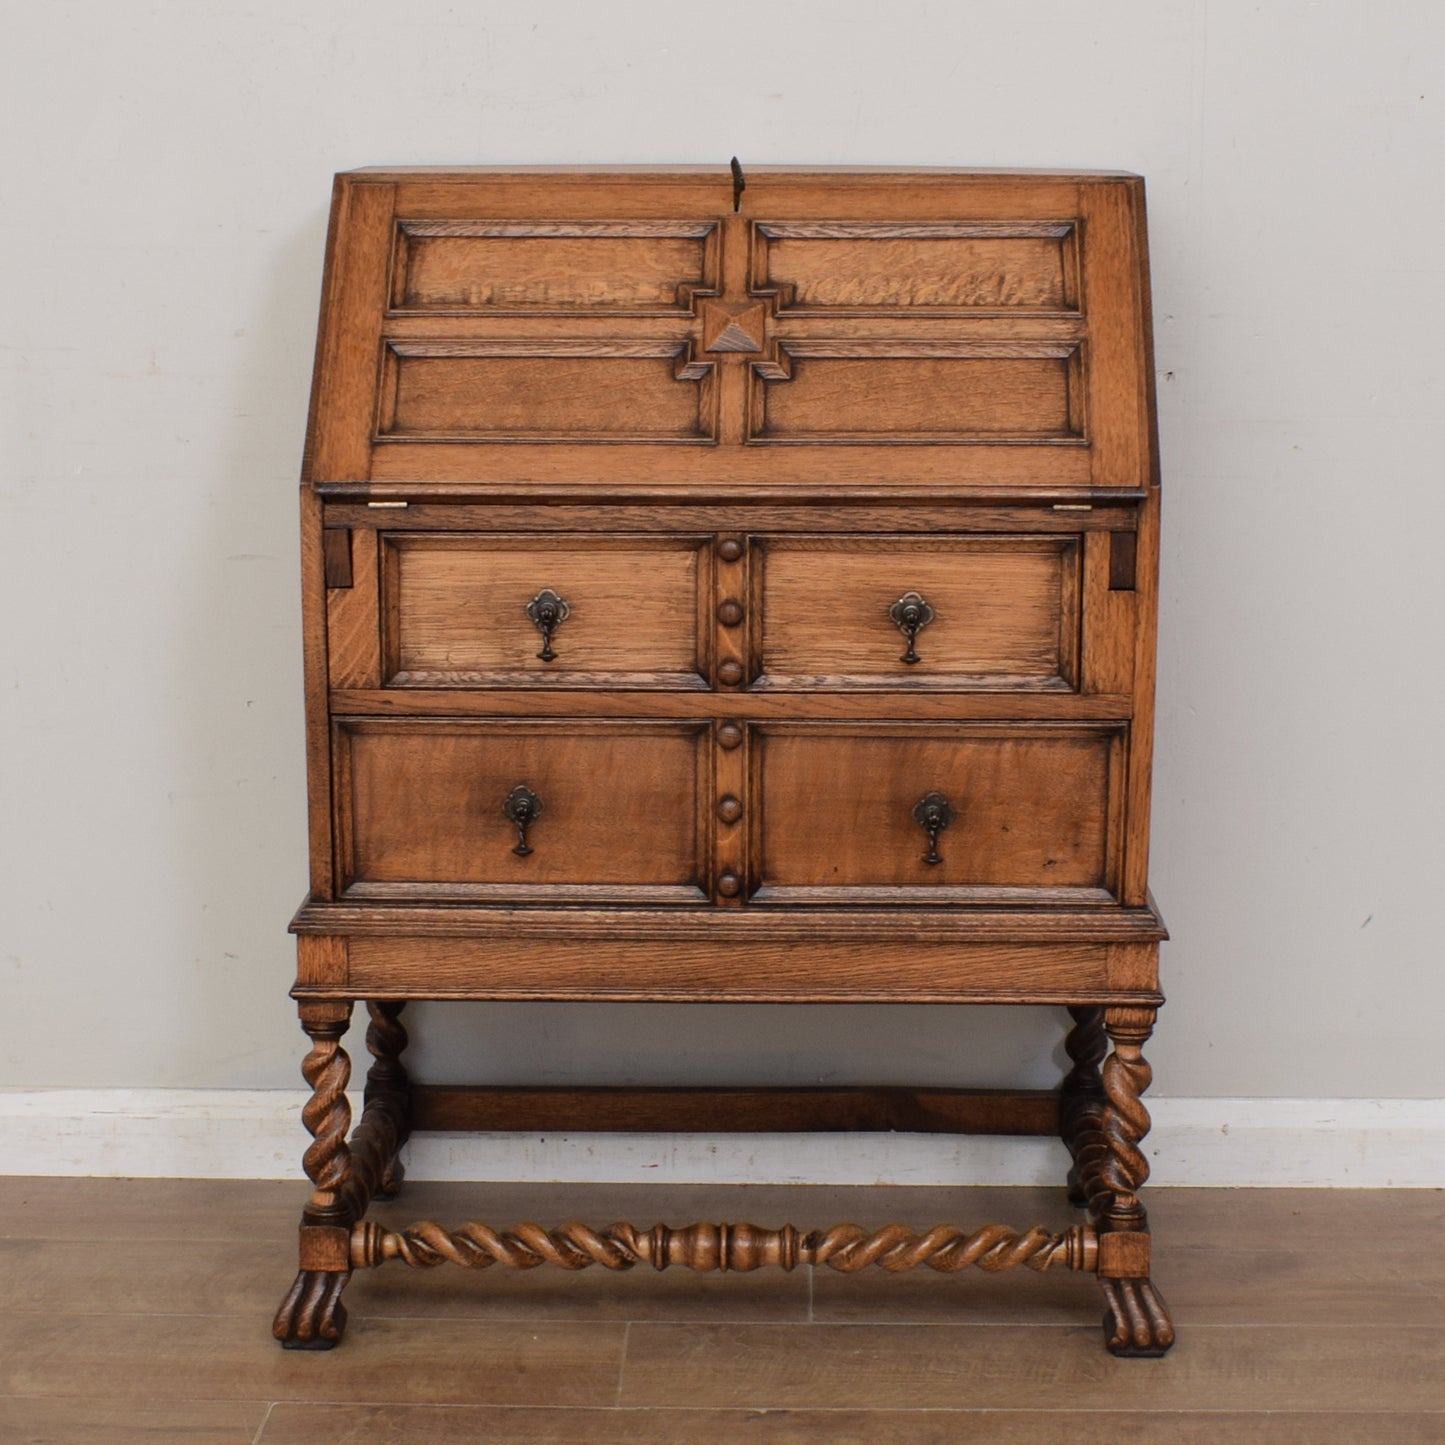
(730, 588)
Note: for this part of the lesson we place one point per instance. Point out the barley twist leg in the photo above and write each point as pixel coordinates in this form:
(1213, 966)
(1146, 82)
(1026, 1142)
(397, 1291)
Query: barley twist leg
(311, 1316)
(1138, 1321)
(1082, 1098)
(388, 1085)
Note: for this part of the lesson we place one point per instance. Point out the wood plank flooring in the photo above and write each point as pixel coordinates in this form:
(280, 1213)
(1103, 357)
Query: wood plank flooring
(139, 1310)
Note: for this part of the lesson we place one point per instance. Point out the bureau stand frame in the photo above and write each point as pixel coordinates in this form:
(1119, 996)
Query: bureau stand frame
(1097, 1110)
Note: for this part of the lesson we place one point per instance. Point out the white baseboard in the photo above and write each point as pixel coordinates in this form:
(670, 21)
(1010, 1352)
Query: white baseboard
(257, 1134)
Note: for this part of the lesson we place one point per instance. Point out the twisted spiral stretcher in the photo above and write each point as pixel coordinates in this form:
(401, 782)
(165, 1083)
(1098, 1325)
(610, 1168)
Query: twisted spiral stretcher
(844, 1247)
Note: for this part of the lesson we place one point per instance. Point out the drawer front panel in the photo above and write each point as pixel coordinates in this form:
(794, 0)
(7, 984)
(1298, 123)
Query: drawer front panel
(1001, 612)
(455, 611)
(422, 809)
(1031, 812)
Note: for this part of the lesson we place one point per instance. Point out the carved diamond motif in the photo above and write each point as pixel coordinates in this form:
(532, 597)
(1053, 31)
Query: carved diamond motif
(733, 325)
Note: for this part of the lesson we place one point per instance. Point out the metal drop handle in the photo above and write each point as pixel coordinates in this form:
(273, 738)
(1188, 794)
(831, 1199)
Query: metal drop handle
(548, 612)
(933, 814)
(523, 807)
(911, 614)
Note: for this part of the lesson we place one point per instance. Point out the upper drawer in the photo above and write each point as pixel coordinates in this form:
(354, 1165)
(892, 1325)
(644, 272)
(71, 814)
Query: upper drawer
(958, 612)
(523, 610)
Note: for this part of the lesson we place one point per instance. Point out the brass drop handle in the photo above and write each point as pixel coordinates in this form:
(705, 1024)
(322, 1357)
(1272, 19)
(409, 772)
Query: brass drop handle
(933, 814)
(548, 612)
(523, 807)
(911, 614)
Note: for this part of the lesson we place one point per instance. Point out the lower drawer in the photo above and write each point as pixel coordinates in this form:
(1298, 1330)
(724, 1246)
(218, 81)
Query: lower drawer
(520, 810)
(937, 813)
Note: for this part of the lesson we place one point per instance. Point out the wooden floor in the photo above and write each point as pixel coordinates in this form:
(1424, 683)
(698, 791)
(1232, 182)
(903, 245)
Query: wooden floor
(140, 1310)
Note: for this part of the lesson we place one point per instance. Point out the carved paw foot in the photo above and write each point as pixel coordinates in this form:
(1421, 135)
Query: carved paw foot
(1137, 1324)
(312, 1316)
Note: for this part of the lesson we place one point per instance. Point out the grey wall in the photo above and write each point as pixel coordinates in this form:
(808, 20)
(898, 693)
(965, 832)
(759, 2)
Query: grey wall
(165, 184)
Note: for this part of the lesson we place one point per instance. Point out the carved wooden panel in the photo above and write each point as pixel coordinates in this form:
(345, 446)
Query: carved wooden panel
(935, 268)
(420, 809)
(923, 391)
(503, 267)
(542, 390)
(1003, 611)
(455, 610)
(1033, 811)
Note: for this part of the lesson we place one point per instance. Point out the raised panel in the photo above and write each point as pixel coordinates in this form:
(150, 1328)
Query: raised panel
(1005, 611)
(455, 610)
(938, 268)
(551, 267)
(901, 392)
(1034, 811)
(538, 391)
(420, 809)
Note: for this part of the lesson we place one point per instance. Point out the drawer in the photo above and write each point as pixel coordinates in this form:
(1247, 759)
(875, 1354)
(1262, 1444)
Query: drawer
(625, 610)
(431, 808)
(975, 613)
(1031, 812)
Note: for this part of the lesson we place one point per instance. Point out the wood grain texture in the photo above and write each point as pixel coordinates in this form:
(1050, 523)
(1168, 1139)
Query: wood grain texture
(423, 805)
(214, 1357)
(457, 610)
(937, 267)
(947, 1367)
(290, 1424)
(1031, 810)
(507, 267)
(47, 1420)
(1005, 611)
(699, 972)
(730, 1111)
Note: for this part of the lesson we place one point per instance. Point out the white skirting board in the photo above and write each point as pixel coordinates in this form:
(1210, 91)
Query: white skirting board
(257, 1134)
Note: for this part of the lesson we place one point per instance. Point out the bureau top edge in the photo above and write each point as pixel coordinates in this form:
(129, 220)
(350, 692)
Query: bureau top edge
(690, 173)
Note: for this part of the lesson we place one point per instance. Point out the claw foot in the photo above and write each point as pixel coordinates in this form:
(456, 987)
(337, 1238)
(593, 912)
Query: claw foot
(312, 1316)
(1137, 1324)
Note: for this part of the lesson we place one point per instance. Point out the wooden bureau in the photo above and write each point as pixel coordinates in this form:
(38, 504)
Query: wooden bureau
(727, 587)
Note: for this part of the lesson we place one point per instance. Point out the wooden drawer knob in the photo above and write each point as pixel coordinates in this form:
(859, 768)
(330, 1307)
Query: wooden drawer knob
(729, 885)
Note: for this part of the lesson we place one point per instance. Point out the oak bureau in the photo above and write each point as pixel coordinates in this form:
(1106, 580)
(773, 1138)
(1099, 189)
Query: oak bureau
(730, 587)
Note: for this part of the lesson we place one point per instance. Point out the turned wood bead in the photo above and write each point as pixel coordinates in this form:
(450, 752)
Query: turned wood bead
(729, 735)
(730, 672)
(730, 613)
(730, 549)
(729, 809)
(729, 885)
